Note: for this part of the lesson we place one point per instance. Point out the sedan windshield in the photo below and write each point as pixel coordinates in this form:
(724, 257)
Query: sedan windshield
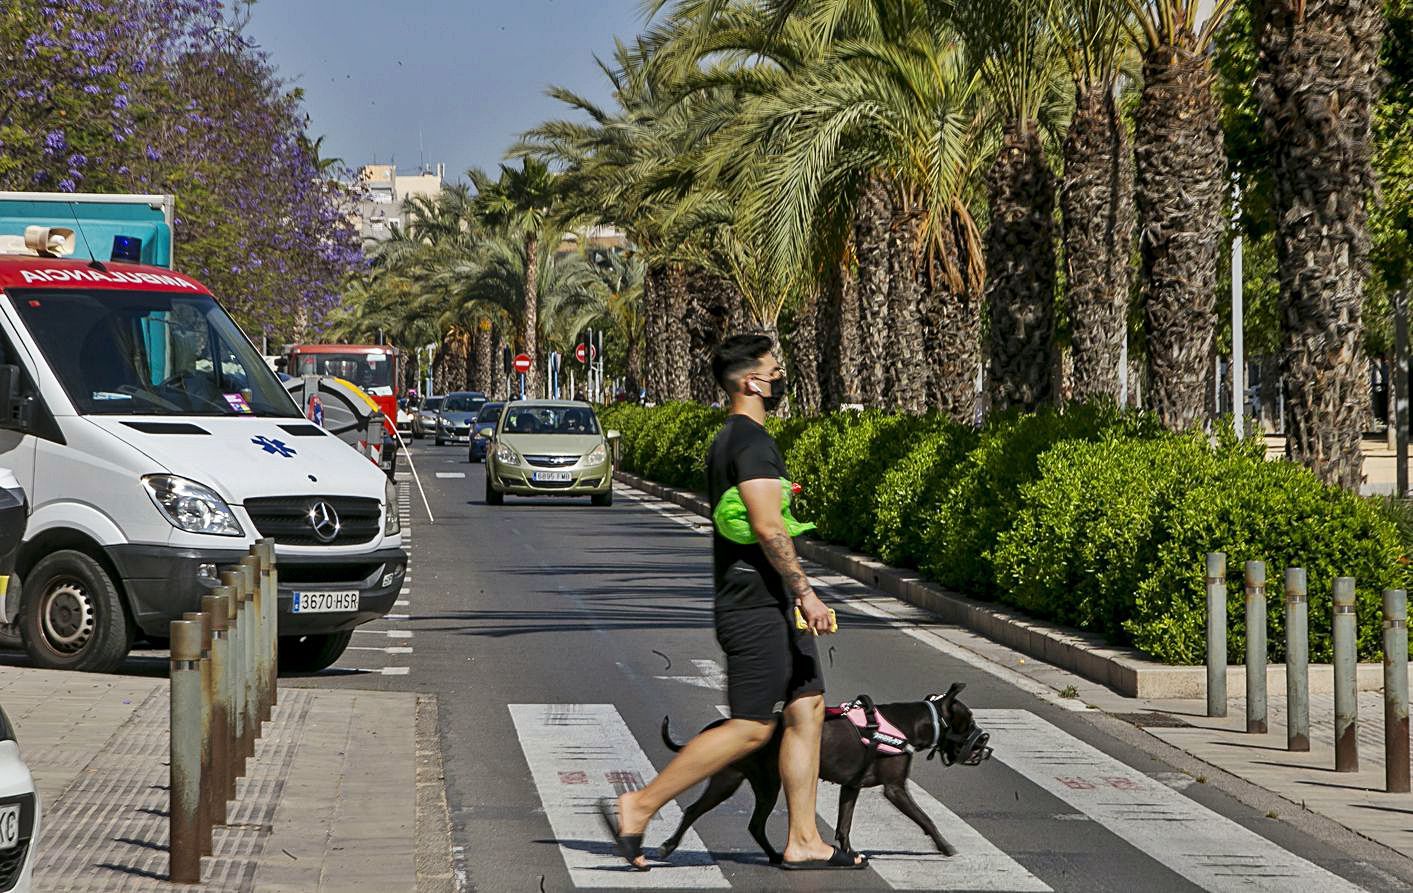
(133, 353)
(462, 403)
(432, 404)
(490, 412)
(532, 419)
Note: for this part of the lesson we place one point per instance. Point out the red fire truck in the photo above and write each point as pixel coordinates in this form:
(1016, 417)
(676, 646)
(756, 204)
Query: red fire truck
(372, 367)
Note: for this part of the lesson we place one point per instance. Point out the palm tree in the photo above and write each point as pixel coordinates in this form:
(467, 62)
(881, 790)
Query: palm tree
(1180, 189)
(1319, 70)
(622, 274)
(520, 202)
(1012, 45)
(1096, 193)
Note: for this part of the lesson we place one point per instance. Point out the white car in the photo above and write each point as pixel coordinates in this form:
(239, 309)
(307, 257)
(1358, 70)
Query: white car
(19, 814)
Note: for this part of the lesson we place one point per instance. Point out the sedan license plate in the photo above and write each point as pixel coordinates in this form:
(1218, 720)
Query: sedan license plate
(324, 602)
(9, 826)
(552, 476)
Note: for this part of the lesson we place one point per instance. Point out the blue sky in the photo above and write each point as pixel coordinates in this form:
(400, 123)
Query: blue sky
(468, 75)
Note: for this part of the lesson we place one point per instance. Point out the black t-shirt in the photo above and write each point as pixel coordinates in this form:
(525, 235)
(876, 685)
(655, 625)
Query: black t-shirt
(743, 575)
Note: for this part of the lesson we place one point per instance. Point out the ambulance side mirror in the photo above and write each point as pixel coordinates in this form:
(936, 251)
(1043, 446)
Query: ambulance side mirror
(15, 411)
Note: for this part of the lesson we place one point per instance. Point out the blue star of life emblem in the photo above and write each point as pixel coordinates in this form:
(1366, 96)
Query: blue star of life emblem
(273, 446)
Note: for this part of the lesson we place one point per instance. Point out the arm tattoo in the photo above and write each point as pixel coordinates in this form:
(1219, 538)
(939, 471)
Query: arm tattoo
(781, 551)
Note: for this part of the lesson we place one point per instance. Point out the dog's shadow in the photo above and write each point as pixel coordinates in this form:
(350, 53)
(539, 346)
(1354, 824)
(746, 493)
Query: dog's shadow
(679, 859)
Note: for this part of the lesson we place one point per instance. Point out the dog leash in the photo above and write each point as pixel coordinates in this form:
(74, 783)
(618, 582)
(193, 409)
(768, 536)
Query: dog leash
(936, 728)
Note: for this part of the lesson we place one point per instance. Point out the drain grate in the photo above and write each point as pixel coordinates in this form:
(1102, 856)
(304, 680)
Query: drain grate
(1153, 720)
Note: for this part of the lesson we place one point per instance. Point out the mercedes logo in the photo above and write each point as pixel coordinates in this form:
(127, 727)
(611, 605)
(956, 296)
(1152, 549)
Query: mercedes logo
(324, 521)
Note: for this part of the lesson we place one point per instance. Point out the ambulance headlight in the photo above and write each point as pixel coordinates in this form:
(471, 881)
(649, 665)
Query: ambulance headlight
(191, 506)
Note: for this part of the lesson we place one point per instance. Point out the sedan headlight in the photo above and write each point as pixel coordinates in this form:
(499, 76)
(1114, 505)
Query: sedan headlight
(506, 455)
(391, 525)
(596, 456)
(191, 506)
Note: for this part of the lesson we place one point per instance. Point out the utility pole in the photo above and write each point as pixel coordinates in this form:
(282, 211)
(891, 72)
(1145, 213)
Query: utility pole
(1399, 380)
(1238, 335)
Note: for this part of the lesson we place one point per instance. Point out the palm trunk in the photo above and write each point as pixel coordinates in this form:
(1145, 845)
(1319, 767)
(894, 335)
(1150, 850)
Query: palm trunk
(454, 369)
(906, 368)
(485, 358)
(1317, 86)
(837, 341)
(1020, 271)
(633, 383)
(1180, 193)
(870, 231)
(530, 318)
(1096, 198)
(676, 344)
(653, 368)
(803, 358)
(713, 302)
(953, 287)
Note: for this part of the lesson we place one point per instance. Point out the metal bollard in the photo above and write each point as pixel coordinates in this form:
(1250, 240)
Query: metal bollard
(184, 805)
(1256, 647)
(258, 679)
(1216, 634)
(1346, 694)
(217, 605)
(240, 628)
(1297, 661)
(252, 668)
(232, 720)
(1396, 691)
(208, 795)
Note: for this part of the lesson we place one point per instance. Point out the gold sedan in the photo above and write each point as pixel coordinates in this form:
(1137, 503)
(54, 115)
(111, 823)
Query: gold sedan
(549, 448)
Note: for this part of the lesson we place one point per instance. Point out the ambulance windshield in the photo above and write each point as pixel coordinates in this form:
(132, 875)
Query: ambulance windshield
(135, 353)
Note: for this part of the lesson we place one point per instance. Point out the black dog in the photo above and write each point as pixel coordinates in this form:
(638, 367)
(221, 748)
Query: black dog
(845, 760)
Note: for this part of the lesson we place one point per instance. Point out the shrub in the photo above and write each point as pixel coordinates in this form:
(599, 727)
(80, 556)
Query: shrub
(673, 444)
(806, 457)
(913, 489)
(985, 498)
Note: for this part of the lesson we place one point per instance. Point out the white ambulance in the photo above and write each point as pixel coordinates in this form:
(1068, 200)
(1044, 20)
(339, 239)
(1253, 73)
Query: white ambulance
(155, 446)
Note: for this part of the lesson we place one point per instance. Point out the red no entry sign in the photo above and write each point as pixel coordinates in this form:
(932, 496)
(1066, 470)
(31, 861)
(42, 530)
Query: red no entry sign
(522, 363)
(582, 353)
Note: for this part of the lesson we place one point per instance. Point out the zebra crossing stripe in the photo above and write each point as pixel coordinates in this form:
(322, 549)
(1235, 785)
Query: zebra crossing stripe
(579, 753)
(1208, 849)
(903, 856)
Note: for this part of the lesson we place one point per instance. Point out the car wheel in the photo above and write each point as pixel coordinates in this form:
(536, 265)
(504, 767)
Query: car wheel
(602, 499)
(441, 442)
(493, 496)
(312, 653)
(72, 616)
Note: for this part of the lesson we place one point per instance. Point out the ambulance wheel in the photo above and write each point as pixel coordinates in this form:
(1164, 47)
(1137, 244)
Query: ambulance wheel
(72, 616)
(312, 653)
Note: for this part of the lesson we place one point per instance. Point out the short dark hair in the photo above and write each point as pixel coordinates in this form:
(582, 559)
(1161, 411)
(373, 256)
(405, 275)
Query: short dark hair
(737, 354)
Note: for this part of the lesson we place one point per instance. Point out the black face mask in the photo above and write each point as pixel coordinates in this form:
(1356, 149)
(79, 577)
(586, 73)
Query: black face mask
(777, 393)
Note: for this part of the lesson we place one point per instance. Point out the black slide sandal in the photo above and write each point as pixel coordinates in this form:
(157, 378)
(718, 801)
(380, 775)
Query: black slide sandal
(838, 859)
(629, 846)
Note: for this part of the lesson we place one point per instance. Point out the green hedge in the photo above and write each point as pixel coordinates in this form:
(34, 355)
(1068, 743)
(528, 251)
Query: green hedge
(1089, 517)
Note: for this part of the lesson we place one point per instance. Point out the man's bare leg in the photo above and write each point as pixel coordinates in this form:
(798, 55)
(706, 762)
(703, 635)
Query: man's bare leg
(799, 775)
(700, 759)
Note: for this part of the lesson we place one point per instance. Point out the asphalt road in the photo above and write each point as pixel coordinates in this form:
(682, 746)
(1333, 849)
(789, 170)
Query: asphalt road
(557, 636)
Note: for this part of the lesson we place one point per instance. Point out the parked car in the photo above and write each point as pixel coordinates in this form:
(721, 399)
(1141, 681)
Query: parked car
(550, 448)
(19, 814)
(426, 418)
(484, 430)
(454, 418)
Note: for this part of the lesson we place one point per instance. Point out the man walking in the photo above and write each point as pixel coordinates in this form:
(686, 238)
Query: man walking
(772, 668)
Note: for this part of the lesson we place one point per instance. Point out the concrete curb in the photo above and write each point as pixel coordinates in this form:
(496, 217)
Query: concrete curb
(1127, 672)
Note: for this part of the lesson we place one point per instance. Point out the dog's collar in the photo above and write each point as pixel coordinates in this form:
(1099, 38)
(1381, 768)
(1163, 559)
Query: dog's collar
(936, 725)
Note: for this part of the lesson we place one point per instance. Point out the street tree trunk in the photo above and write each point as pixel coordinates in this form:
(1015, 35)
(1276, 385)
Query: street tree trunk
(713, 303)
(454, 366)
(953, 289)
(1180, 191)
(484, 379)
(906, 369)
(803, 359)
(871, 238)
(1317, 86)
(838, 338)
(1096, 199)
(530, 317)
(1020, 271)
(676, 344)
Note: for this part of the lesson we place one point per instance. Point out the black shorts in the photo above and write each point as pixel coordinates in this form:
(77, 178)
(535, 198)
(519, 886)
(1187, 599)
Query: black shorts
(769, 663)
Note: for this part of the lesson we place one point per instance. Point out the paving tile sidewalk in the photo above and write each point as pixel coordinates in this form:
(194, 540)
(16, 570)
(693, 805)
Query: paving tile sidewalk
(328, 803)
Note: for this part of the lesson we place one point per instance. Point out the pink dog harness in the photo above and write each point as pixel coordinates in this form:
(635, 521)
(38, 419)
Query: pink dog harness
(875, 731)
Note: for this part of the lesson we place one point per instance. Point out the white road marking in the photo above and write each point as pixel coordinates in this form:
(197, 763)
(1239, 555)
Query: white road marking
(1206, 848)
(390, 633)
(405, 591)
(395, 649)
(901, 854)
(451, 474)
(397, 616)
(401, 603)
(396, 671)
(709, 675)
(579, 753)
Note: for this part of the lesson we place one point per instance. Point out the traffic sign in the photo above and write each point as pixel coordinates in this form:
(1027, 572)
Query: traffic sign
(522, 363)
(584, 351)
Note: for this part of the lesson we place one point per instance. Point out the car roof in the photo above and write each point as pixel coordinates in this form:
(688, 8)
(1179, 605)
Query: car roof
(554, 404)
(464, 394)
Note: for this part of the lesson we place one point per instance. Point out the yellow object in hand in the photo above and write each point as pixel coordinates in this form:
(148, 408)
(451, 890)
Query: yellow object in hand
(801, 624)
